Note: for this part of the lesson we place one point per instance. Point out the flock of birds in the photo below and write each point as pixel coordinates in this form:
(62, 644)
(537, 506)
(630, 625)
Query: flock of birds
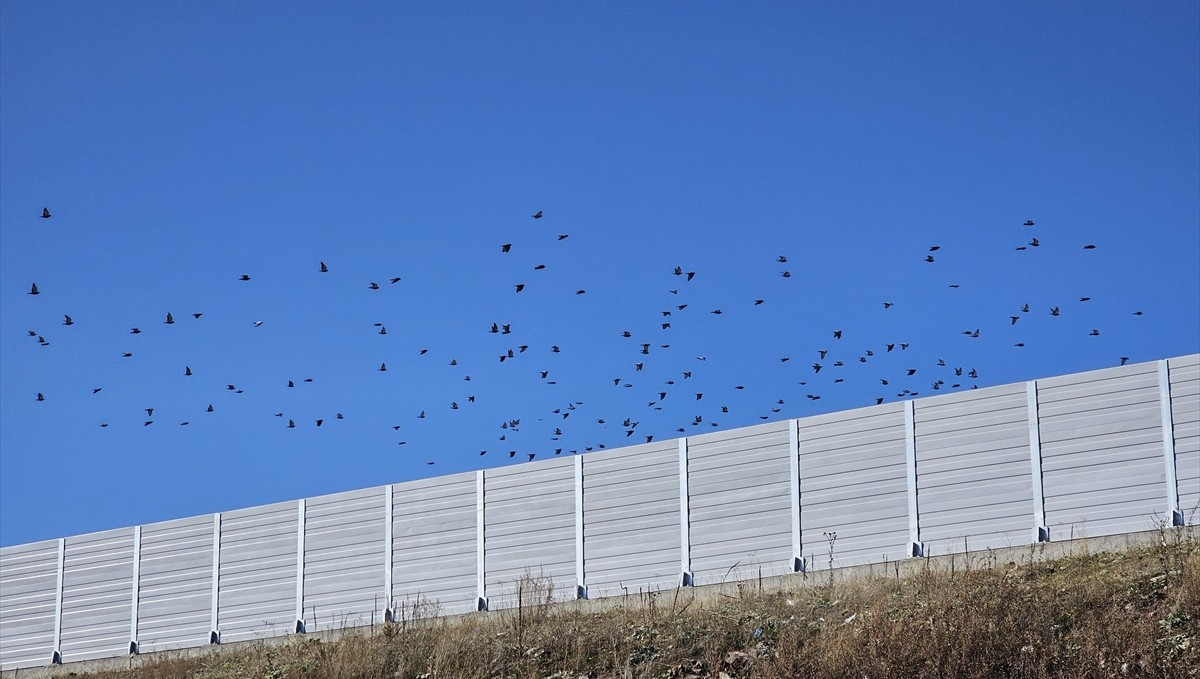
(824, 367)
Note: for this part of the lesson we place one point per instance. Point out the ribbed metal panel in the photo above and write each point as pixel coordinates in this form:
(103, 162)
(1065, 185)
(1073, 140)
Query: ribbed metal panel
(433, 545)
(853, 482)
(1102, 455)
(1185, 414)
(973, 480)
(739, 484)
(28, 589)
(344, 560)
(631, 519)
(175, 591)
(97, 590)
(257, 587)
(530, 531)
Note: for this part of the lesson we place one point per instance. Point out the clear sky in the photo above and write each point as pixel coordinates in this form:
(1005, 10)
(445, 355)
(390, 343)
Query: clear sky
(179, 146)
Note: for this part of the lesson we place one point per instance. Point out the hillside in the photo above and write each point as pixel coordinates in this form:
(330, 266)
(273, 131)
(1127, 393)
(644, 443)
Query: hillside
(1110, 614)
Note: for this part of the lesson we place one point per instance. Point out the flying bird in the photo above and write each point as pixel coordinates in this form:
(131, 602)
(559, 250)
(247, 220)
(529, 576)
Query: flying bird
(324, 269)
(1028, 222)
(33, 290)
(245, 277)
(506, 247)
(537, 215)
(46, 213)
(67, 320)
(170, 319)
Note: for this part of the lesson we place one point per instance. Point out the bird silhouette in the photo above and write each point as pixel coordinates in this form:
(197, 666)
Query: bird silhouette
(187, 372)
(324, 269)
(1028, 222)
(170, 319)
(506, 247)
(67, 320)
(46, 213)
(244, 277)
(537, 215)
(33, 290)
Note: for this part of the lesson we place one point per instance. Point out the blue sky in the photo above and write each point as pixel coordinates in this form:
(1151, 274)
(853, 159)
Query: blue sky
(179, 146)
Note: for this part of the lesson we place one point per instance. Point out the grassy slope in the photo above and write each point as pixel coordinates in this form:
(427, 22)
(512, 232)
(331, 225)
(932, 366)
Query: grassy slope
(1132, 613)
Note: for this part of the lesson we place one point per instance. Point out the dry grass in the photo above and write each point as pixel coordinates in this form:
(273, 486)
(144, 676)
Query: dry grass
(1128, 614)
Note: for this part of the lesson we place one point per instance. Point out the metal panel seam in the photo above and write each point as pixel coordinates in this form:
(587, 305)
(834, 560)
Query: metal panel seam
(300, 565)
(214, 636)
(798, 564)
(580, 580)
(135, 589)
(480, 547)
(910, 455)
(56, 654)
(1041, 533)
(685, 546)
(387, 547)
(1174, 515)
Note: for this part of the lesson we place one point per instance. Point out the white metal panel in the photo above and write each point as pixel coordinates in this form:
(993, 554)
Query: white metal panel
(1102, 459)
(28, 590)
(257, 578)
(739, 485)
(175, 587)
(97, 586)
(1185, 416)
(631, 519)
(529, 533)
(433, 545)
(344, 560)
(973, 476)
(854, 487)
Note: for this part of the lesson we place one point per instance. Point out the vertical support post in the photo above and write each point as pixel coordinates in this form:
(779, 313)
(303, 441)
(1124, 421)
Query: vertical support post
(1041, 532)
(910, 455)
(685, 540)
(798, 564)
(56, 654)
(214, 634)
(580, 575)
(300, 629)
(135, 590)
(481, 602)
(1174, 514)
(388, 510)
